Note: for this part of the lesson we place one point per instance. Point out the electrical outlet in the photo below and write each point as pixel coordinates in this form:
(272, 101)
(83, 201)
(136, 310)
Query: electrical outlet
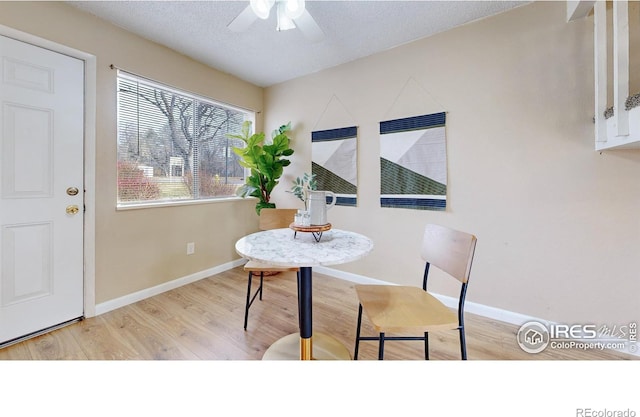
(191, 248)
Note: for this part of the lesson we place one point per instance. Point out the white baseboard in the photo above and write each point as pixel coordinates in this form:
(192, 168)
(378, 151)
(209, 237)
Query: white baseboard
(159, 289)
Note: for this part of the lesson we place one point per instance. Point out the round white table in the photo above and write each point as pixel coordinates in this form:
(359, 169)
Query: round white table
(283, 247)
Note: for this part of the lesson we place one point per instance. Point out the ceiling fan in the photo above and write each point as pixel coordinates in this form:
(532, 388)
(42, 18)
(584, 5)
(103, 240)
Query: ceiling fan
(290, 14)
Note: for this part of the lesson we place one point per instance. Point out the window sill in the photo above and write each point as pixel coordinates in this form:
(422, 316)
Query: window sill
(176, 203)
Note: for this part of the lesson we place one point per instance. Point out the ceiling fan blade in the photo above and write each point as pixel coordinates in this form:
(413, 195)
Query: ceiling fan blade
(243, 20)
(309, 27)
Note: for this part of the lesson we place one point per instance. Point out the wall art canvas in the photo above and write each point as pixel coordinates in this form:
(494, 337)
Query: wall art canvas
(413, 163)
(334, 162)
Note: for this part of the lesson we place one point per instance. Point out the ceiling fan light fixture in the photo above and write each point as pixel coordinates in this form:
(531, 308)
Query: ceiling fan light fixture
(262, 7)
(285, 22)
(294, 8)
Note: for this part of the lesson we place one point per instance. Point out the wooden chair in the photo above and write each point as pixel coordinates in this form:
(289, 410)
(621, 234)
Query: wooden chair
(412, 310)
(270, 218)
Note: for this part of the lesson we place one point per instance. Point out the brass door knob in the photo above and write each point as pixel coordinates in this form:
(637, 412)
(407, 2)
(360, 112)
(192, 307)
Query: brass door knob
(72, 209)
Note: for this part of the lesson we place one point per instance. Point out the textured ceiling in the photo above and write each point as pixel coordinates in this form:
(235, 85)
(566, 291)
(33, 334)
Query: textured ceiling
(261, 55)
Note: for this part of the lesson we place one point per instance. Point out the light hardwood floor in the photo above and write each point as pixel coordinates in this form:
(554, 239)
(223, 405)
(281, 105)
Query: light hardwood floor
(203, 321)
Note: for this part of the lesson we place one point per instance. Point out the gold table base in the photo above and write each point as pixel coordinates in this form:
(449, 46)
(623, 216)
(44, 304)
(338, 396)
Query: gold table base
(322, 347)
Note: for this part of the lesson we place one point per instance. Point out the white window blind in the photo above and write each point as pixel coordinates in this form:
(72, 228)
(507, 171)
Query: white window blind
(173, 145)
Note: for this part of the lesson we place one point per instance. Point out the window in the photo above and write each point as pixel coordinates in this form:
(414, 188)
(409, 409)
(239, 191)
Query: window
(173, 146)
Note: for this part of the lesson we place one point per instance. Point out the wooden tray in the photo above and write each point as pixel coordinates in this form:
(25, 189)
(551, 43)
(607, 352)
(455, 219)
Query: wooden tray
(310, 229)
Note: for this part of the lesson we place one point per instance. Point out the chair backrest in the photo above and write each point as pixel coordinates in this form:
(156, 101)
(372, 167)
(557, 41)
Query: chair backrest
(275, 218)
(449, 250)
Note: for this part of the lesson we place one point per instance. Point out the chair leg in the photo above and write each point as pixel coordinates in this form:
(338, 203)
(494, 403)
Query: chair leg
(381, 347)
(355, 351)
(426, 346)
(248, 303)
(463, 345)
(250, 299)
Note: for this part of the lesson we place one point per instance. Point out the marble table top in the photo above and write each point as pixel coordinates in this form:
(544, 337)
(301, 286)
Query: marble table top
(278, 247)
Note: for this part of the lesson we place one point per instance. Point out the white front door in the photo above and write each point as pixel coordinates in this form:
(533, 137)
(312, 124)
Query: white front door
(41, 167)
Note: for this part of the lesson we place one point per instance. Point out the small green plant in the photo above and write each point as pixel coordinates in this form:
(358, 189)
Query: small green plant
(266, 162)
(302, 185)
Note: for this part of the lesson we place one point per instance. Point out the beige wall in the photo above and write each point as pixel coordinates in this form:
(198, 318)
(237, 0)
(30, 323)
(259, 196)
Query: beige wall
(558, 224)
(138, 249)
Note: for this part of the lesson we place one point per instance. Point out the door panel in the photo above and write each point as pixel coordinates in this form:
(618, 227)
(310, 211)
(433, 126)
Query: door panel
(27, 152)
(41, 145)
(31, 263)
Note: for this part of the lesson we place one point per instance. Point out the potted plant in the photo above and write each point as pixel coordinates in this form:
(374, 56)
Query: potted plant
(265, 160)
(300, 187)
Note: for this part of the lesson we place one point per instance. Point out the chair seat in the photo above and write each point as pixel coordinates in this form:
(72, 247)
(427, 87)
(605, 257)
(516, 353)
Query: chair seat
(259, 266)
(400, 309)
